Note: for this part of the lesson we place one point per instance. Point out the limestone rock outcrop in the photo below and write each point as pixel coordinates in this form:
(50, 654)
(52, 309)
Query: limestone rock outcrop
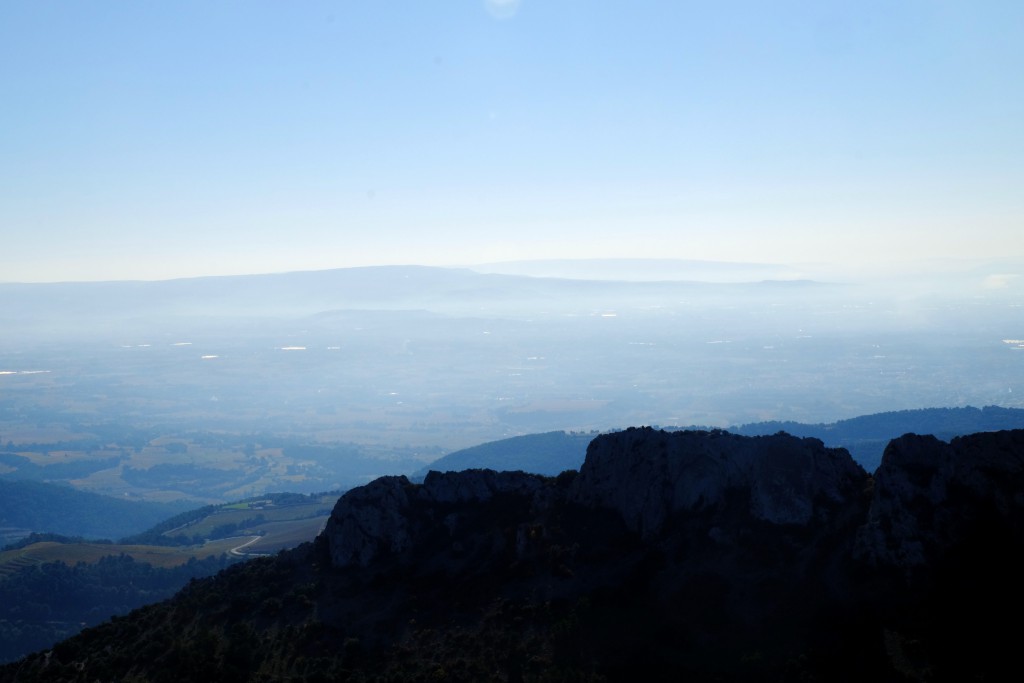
(698, 556)
(925, 496)
(648, 475)
(929, 495)
(388, 515)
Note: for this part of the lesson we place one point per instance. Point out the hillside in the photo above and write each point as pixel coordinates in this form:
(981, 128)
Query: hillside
(548, 454)
(32, 506)
(52, 586)
(42, 604)
(669, 556)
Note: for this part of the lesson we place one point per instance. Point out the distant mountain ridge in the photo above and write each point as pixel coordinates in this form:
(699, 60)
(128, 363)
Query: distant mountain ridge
(865, 437)
(643, 270)
(393, 288)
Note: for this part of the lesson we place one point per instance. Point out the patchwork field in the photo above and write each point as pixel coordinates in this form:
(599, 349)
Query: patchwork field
(71, 554)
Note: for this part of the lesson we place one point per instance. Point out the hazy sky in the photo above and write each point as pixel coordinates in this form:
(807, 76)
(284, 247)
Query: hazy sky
(163, 139)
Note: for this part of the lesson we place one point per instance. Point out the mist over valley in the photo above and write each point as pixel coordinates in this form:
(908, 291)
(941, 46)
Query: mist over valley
(316, 381)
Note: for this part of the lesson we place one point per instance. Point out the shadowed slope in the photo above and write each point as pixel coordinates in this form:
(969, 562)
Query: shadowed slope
(690, 555)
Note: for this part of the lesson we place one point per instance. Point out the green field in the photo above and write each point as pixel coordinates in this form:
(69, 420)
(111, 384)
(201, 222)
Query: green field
(280, 525)
(283, 535)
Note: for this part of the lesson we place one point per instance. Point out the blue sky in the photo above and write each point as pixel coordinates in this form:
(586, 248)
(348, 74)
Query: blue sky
(153, 140)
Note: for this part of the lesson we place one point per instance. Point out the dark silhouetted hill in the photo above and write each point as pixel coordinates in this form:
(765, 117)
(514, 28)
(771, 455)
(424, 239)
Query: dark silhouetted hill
(697, 556)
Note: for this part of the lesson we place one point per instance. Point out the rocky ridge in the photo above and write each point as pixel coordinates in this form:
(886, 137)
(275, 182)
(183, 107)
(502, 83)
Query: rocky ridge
(385, 516)
(647, 475)
(930, 495)
(695, 555)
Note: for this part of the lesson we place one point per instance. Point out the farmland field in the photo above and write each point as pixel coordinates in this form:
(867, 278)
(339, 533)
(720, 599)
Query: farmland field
(90, 553)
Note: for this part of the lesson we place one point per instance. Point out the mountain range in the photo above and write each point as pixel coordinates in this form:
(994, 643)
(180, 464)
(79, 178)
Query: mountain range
(391, 288)
(689, 555)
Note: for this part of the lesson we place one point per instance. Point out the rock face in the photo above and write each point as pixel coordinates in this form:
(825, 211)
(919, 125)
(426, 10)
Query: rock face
(647, 476)
(644, 475)
(698, 556)
(739, 544)
(370, 521)
(384, 518)
(925, 496)
(930, 495)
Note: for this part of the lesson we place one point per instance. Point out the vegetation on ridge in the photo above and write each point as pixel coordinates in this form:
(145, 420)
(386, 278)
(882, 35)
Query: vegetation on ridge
(516, 577)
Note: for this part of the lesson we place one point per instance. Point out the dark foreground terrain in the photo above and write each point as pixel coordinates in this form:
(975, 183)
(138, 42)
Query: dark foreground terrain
(686, 556)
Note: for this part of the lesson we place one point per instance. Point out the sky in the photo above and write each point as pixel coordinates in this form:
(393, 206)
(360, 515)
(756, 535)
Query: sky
(173, 139)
